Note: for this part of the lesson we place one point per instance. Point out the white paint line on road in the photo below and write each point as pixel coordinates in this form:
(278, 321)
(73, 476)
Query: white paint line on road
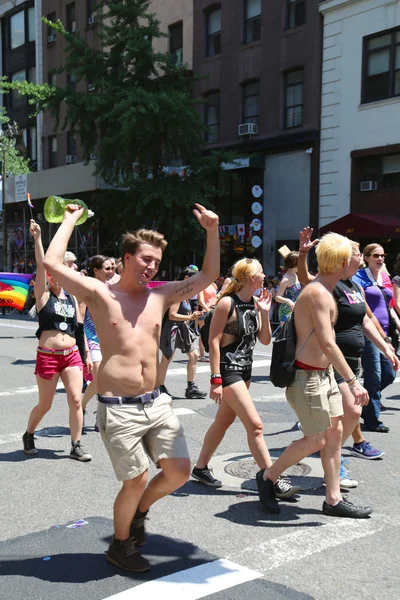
(206, 368)
(183, 411)
(11, 438)
(198, 582)
(300, 544)
(13, 326)
(31, 390)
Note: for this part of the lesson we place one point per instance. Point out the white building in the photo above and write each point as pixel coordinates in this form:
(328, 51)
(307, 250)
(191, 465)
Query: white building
(360, 118)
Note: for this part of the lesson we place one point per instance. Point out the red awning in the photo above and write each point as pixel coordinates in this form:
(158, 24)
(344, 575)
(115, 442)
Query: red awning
(364, 225)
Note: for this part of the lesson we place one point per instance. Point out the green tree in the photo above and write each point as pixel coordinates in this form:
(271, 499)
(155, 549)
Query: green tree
(15, 163)
(139, 116)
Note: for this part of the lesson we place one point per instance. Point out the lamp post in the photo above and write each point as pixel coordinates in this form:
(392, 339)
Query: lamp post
(7, 137)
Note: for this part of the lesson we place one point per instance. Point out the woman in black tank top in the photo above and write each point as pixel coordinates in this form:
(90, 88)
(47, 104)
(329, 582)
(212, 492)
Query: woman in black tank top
(57, 353)
(232, 340)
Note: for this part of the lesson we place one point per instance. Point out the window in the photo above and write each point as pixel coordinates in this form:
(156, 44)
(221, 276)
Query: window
(251, 102)
(212, 118)
(71, 143)
(16, 98)
(51, 34)
(91, 11)
(70, 14)
(296, 13)
(384, 170)
(294, 93)
(381, 67)
(176, 42)
(21, 142)
(213, 32)
(52, 151)
(252, 27)
(32, 75)
(17, 30)
(32, 146)
(71, 82)
(31, 25)
(52, 78)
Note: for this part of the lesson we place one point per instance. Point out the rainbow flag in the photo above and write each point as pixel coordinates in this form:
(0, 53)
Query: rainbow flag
(14, 289)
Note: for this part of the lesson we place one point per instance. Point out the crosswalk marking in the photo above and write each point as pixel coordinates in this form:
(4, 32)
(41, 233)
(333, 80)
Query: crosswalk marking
(191, 584)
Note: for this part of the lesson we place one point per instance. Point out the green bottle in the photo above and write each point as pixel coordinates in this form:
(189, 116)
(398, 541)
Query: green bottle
(54, 209)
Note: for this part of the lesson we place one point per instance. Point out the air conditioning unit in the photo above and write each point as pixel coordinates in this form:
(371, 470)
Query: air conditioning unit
(51, 38)
(70, 158)
(92, 156)
(91, 20)
(368, 186)
(247, 129)
(91, 87)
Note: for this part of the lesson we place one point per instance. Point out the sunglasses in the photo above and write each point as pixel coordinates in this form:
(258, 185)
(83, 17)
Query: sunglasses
(108, 268)
(379, 255)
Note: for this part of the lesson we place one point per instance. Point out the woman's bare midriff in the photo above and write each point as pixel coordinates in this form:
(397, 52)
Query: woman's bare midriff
(56, 340)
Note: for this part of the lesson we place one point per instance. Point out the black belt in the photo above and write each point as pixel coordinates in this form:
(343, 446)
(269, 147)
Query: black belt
(142, 399)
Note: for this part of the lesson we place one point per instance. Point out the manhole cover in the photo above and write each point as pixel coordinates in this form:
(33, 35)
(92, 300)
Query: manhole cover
(247, 469)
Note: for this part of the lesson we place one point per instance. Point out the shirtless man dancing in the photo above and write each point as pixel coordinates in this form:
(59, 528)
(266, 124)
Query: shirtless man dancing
(134, 418)
(314, 394)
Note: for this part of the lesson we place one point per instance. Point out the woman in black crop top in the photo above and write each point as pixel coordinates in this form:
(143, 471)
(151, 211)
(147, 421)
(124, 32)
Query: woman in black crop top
(233, 335)
(57, 353)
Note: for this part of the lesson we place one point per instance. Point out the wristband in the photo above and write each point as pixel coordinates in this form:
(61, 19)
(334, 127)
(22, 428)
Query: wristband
(215, 375)
(216, 381)
(352, 381)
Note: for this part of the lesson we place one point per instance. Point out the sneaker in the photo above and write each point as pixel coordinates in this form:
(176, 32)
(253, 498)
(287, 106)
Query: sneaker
(266, 493)
(123, 554)
(381, 428)
(346, 509)
(193, 393)
(137, 530)
(78, 453)
(344, 477)
(204, 359)
(284, 489)
(28, 440)
(365, 450)
(205, 476)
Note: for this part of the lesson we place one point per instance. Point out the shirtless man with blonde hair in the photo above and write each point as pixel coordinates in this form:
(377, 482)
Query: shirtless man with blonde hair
(314, 394)
(134, 417)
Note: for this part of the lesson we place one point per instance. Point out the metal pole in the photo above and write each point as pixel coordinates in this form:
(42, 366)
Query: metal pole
(25, 236)
(3, 191)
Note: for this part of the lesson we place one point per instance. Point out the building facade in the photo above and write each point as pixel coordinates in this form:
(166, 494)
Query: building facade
(176, 21)
(259, 68)
(360, 120)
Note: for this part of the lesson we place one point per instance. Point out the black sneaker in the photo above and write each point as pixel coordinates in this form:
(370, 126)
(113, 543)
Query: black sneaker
(284, 489)
(266, 493)
(193, 393)
(78, 453)
(137, 530)
(123, 554)
(29, 443)
(205, 476)
(346, 509)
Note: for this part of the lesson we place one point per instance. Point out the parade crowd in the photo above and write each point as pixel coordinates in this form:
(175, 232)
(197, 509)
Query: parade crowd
(107, 333)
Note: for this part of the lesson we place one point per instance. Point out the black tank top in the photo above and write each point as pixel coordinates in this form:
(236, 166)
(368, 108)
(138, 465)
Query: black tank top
(58, 314)
(238, 356)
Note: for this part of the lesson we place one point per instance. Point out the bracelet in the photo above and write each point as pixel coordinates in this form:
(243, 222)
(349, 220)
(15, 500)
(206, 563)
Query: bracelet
(352, 381)
(215, 375)
(388, 339)
(216, 380)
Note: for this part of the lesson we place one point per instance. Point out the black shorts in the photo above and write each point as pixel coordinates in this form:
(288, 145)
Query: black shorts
(230, 376)
(355, 366)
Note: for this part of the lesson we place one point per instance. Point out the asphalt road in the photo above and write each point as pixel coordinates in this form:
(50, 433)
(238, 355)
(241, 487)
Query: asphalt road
(203, 543)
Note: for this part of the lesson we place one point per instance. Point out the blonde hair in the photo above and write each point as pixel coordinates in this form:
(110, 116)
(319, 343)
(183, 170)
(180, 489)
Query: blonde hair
(69, 256)
(331, 251)
(242, 270)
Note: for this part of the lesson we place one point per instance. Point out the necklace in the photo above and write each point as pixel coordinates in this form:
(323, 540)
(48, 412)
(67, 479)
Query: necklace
(64, 324)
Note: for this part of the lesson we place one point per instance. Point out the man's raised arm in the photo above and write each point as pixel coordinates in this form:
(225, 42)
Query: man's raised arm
(71, 280)
(182, 290)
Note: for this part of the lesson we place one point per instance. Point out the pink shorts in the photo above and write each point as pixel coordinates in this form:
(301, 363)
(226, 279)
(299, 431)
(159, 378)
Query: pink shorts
(50, 362)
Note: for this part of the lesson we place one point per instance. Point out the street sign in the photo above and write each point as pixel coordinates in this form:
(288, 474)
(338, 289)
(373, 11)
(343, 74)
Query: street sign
(21, 188)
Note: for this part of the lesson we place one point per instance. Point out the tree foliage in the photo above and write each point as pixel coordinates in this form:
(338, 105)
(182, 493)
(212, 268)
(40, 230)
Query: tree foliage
(15, 163)
(140, 111)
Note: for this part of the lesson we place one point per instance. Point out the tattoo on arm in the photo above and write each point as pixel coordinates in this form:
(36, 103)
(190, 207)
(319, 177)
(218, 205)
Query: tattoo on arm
(184, 289)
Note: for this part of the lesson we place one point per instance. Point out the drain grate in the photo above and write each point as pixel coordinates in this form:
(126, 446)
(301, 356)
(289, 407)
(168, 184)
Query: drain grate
(247, 469)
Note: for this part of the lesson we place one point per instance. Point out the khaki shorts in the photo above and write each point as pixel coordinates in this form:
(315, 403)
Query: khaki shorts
(315, 398)
(134, 432)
